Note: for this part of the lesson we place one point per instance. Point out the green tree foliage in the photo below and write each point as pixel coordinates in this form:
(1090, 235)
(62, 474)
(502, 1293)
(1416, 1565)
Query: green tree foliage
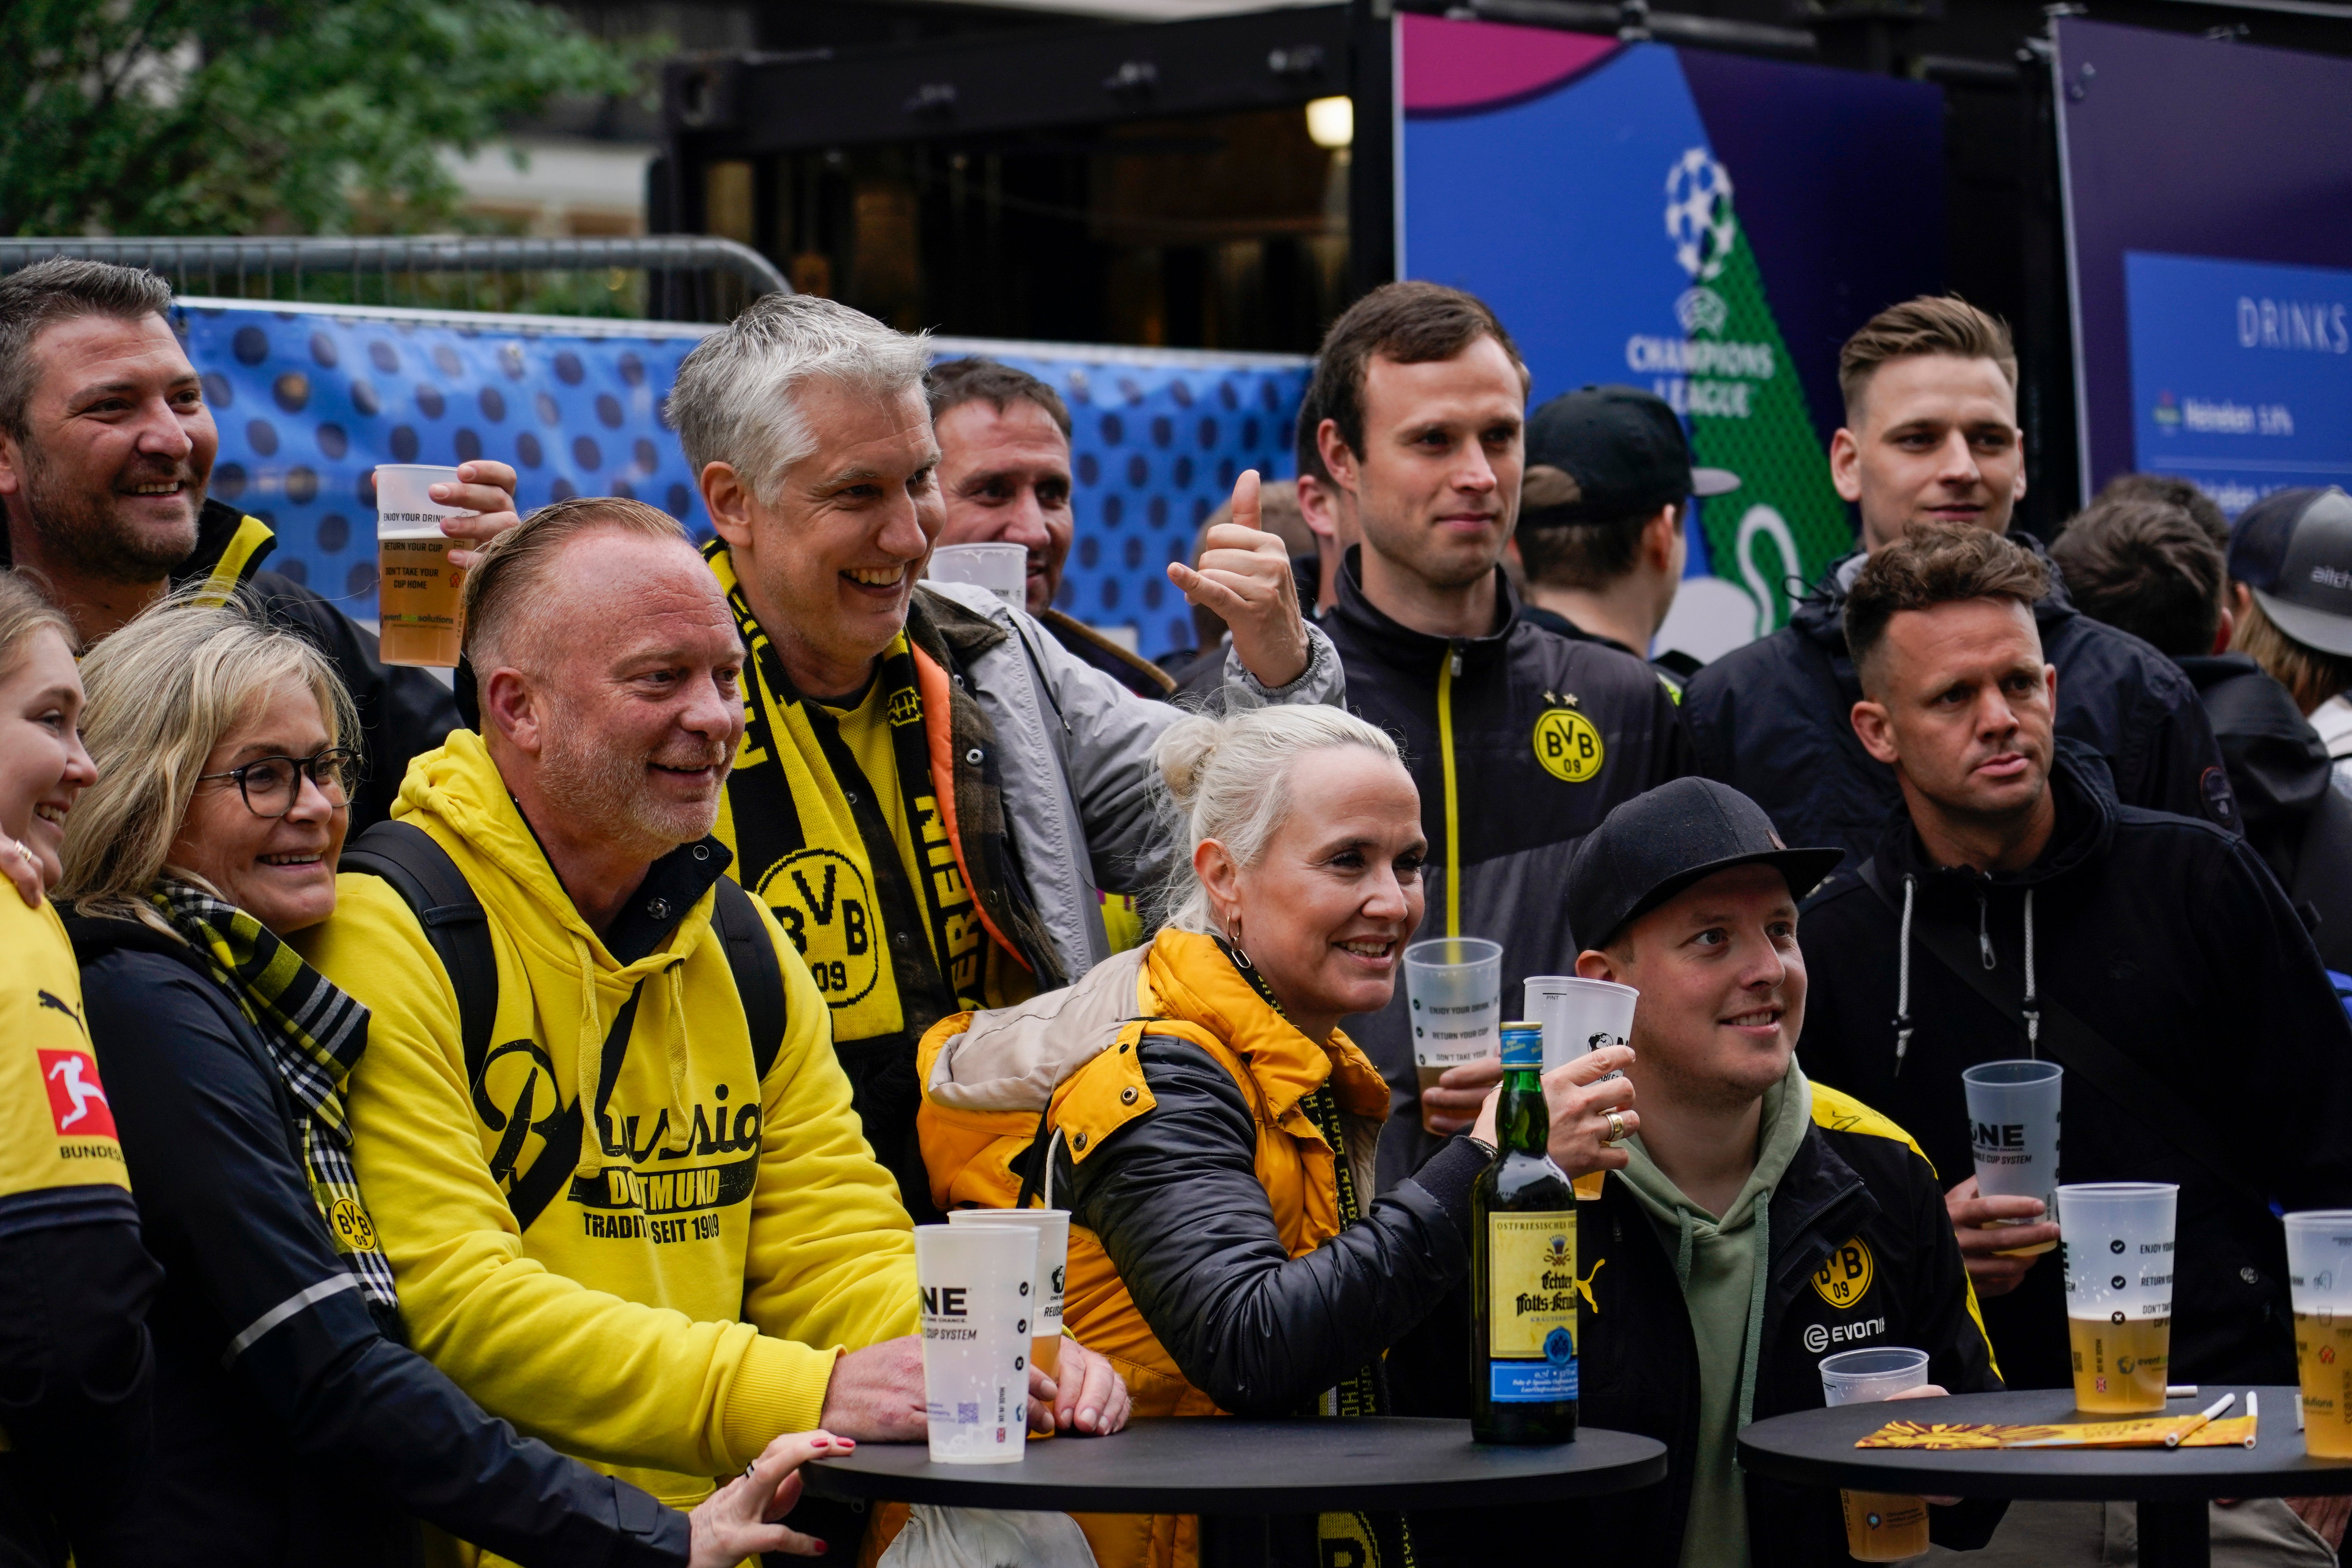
(297, 117)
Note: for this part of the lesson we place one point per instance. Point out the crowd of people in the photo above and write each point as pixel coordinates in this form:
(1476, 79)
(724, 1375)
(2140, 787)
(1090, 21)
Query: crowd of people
(489, 1126)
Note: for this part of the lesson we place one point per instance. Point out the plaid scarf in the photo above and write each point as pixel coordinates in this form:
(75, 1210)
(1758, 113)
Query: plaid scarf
(316, 1036)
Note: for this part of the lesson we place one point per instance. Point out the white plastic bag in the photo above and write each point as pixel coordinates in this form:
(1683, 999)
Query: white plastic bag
(987, 1538)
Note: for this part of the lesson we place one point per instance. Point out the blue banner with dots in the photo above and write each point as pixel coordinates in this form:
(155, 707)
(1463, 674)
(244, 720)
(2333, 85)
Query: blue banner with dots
(310, 399)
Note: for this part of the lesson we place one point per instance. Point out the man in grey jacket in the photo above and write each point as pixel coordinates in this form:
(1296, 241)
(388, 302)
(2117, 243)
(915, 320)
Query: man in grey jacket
(932, 794)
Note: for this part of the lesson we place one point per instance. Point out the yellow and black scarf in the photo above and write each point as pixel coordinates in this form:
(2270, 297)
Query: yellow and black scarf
(811, 840)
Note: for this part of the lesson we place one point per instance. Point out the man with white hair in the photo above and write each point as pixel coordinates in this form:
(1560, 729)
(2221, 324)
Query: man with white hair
(931, 792)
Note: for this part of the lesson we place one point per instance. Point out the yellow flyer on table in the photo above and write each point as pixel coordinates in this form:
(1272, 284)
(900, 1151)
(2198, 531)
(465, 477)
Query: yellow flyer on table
(2195, 1429)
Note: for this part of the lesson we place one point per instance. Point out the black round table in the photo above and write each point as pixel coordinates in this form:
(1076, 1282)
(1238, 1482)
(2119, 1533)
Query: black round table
(1237, 1474)
(2172, 1485)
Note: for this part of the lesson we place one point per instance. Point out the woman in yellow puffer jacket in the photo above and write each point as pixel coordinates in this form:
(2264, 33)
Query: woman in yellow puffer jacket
(1211, 1130)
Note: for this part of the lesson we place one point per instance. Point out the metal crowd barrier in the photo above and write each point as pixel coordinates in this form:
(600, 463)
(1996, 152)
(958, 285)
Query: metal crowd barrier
(677, 278)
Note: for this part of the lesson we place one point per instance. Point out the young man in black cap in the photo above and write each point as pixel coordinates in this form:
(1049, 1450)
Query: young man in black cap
(2014, 907)
(1519, 741)
(1602, 515)
(1762, 1221)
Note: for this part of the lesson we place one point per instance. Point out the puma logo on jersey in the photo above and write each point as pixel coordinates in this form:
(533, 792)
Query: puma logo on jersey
(49, 1001)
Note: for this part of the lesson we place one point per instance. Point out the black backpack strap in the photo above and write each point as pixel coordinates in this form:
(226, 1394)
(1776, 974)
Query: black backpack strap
(436, 892)
(2074, 1045)
(751, 955)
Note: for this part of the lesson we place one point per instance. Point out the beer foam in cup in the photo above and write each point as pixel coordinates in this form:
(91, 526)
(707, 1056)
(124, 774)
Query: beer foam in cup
(978, 1288)
(1579, 1015)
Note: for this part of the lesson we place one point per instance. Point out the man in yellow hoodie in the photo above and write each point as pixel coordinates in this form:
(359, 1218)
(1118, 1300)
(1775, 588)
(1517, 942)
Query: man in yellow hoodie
(711, 1256)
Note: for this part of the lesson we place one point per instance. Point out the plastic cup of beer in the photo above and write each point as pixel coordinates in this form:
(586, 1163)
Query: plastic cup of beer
(419, 595)
(1053, 1228)
(2319, 1280)
(978, 1288)
(1578, 1014)
(2013, 1129)
(1002, 569)
(1454, 994)
(1880, 1527)
(2117, 1241)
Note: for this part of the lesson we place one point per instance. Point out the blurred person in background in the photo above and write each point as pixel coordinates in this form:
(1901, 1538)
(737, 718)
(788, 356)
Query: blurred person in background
(76, 1365)
(106, 446)
(934, 794)
(2012, 907)
(665, 1278)
(1603, 520)
(1004, 478)
(1327, 510)
(294, 1424)
(1931, 438)
(1211, 1128)
(2291, 591)
(1519, 742)
(2152, 568)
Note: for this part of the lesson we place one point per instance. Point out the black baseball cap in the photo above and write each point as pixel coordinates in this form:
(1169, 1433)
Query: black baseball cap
(2294, 550)
(1625, 449)
(1658, 843)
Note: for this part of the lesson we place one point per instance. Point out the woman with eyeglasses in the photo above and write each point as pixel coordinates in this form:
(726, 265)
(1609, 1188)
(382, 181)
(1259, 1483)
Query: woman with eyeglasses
(75, 1372)
(293, 1426)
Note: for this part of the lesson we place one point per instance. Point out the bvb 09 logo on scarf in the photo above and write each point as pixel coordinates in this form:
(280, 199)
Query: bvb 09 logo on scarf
(821, 899)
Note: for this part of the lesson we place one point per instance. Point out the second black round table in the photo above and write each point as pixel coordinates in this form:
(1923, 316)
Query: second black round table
(1237, 1474)
(2172, 1485)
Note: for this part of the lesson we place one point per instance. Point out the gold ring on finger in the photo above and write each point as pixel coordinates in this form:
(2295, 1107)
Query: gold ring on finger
(1616, 1127)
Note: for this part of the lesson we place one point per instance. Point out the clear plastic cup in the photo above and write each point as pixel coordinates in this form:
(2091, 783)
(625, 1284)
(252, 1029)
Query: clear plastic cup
(1053, 1228)
(420, 597)
(1578, 1014)
(1002, 569)
(1454, 992)
(2118, 1238)
(2319, 1280)
(977, 1283)
(2013, 1129)
(1880, 1527)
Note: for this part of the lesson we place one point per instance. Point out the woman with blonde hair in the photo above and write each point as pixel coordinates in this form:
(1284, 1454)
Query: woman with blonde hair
(75, 1372)
(1210, 1128)
(294, 1423)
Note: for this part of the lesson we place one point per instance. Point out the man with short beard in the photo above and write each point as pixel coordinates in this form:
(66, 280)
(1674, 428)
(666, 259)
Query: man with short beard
(106, 445)
(656, 1279)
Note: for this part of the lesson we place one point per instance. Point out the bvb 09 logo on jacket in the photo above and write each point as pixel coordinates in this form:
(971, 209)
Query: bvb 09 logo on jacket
(1568, 745)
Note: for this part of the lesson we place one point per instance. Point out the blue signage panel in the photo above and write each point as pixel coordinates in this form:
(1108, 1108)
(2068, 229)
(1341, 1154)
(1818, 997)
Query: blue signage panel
(2240, 374)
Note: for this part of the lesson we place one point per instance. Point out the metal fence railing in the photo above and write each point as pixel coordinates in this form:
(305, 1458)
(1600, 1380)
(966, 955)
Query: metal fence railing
(678, 277)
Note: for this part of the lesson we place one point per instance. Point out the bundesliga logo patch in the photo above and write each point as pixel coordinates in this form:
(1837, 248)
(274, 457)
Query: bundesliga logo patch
(77, 1104)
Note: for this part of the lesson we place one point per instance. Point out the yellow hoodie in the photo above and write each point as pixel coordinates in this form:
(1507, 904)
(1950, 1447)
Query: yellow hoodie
(667, 1329)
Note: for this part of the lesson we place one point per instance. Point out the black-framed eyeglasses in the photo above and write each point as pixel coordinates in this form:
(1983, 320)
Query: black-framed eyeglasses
(271, 786)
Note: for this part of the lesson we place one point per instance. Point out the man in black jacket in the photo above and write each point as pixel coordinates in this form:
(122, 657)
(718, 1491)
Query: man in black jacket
(1519, 741)
(2155, 569)
(1931, 436)
(106, 445)
(1761, 1221)
(2150, 955)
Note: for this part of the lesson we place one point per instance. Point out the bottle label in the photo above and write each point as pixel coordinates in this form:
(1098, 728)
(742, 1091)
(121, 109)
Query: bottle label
(1531, 1274)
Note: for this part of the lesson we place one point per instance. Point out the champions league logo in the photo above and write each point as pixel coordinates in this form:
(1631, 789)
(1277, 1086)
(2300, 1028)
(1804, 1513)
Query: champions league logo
(1698, 214)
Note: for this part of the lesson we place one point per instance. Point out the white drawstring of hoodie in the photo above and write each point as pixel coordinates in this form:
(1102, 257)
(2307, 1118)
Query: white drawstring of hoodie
(1903, 1022)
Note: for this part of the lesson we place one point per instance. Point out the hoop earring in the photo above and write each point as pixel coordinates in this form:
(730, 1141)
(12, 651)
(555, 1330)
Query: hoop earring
(1234, 940)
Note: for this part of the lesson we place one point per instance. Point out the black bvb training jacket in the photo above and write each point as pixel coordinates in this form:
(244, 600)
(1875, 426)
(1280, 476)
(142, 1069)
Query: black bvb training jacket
(1520, 742)
(2170, 938)
(1862, 1256)
(1771, 720)
(402, 711)
(292, 1424)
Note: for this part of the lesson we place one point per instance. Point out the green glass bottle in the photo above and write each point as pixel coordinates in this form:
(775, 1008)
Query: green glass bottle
(1523, 1268)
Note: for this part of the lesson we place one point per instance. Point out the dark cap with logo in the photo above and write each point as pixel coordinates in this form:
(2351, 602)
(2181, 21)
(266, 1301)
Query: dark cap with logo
(1656, 844)
(1624, 454)
(2293, 549)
